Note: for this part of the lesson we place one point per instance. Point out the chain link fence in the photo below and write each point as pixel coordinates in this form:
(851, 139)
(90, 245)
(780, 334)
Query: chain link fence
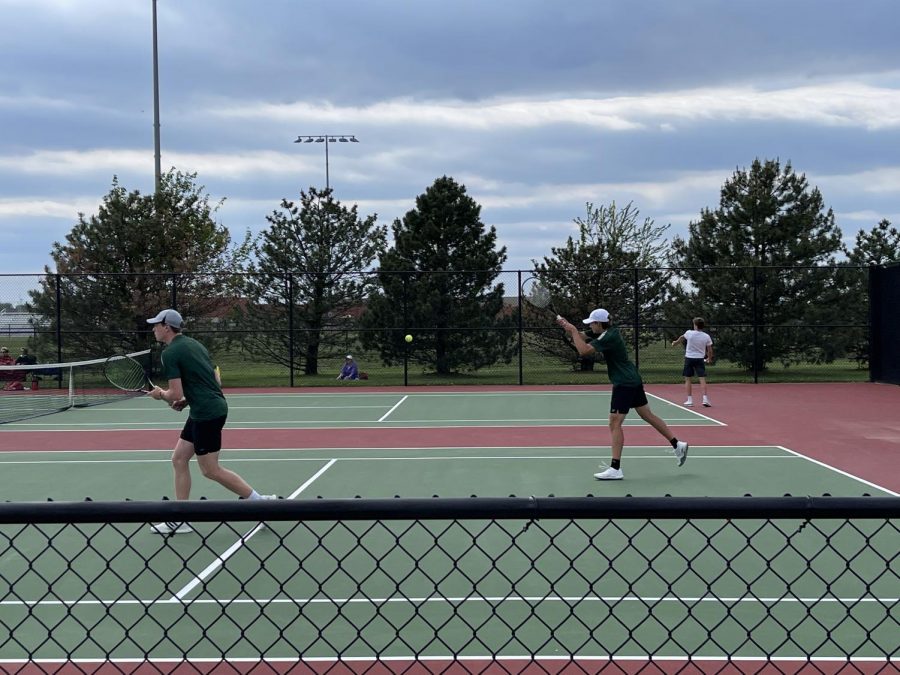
(498, 585)
(767, 323)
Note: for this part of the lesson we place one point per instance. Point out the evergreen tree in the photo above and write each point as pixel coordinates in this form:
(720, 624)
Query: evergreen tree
(438, 282)
(140, 253)
(615, 263)
(879, 246)
(752, 261)
(309, 266)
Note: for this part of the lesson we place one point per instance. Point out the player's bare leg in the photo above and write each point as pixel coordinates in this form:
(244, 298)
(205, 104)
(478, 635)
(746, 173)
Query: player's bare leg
(614, 472)
(679, 447)
(703, 391)
(617, 433)
(209, 465)
(654, 421)
(181, 464)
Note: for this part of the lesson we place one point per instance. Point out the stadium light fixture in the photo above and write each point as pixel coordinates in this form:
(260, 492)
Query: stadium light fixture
(327, 139)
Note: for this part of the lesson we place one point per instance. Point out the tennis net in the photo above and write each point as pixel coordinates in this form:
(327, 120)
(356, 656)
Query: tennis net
(28, 391)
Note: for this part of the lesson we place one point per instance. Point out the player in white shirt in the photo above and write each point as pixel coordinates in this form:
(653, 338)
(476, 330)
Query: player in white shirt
(698, 352)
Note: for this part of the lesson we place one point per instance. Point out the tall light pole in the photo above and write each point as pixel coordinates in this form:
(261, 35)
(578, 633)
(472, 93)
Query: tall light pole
(327, 139)
(157, 166)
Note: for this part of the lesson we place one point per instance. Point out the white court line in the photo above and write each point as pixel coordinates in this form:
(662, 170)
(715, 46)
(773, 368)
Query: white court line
(694, 413)
(329, 449)
(396, 405)
(664, 453)
(442, 660)
(775, 601)
(836, 470)
(373, 394)
(342, 424)
(217, 563)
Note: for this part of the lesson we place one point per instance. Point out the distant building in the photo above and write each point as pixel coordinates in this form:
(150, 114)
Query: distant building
(19, 322)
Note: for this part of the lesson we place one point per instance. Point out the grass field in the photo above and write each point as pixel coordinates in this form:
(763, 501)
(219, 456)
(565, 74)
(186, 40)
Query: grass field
(659, 363)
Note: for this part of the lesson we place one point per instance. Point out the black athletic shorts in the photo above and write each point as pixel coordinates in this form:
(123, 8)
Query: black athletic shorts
(625, 397)
(206, 435)
(694, 367)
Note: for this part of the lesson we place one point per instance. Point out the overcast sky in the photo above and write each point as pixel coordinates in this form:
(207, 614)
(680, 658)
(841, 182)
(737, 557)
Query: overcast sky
(536, 106)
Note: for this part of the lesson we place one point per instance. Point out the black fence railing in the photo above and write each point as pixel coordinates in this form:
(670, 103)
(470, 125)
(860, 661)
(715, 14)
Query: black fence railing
(767, 323)
(885, 304)
(478, 585)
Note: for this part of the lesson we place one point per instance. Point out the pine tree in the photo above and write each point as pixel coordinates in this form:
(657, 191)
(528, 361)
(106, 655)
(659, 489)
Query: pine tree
(309, 266)
(615, 264)
(879, 246)
(140, 253)
(438, 283)
(752, 262)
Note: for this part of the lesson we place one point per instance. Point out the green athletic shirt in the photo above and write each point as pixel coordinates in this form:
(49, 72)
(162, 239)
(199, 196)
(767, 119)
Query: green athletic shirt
(187, 359)
(620, 368)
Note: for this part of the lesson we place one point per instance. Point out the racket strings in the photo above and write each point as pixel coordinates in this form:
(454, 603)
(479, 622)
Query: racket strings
(126, 374)
(537, 294)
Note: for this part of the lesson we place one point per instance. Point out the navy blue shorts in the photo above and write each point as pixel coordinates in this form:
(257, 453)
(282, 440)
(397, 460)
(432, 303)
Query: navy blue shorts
(694, 367)
(206, 435)
(625, 397)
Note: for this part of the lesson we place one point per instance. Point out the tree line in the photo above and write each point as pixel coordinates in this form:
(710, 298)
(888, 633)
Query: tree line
(304, 273)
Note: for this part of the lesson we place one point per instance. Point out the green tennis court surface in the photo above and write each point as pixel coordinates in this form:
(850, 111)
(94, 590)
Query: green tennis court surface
(357, 409)
(438, 589)
(423, 472)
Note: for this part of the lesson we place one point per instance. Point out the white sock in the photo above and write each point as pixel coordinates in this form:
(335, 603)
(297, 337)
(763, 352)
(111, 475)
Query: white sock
(254, 495)
(689, 400)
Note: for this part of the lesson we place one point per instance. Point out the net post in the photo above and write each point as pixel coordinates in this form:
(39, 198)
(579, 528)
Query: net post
(71, 370)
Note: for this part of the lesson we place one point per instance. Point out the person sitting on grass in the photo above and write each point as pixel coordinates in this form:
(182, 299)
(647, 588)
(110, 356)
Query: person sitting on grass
(349, 371)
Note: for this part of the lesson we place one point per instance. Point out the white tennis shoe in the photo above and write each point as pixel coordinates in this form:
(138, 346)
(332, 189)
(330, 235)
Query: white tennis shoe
(610, 474)
(681, 452)
(171, 527)
(688, 404)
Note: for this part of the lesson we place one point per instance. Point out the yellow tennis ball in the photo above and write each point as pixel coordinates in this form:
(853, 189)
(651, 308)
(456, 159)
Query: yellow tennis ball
(408, 338)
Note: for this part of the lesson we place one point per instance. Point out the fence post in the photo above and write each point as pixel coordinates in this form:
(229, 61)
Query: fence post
(755, 325)
(405, 279)
(636, 319)
(58, 281)
(873, 298)
(521, 328)
(290, 307)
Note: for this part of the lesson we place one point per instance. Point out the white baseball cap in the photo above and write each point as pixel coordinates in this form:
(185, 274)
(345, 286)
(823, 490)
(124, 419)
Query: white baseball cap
(598, 315)
(168, 317)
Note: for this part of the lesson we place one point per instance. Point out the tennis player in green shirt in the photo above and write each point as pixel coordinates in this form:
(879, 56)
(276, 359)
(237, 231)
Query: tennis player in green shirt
(194, 384)
(627, 387)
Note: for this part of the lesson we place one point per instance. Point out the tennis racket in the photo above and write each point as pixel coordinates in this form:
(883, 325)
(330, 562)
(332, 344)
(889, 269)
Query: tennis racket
(538, 295)
(127, 374)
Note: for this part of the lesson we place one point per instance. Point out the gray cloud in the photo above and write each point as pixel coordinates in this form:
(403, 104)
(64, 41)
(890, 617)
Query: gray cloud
(536, 106)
